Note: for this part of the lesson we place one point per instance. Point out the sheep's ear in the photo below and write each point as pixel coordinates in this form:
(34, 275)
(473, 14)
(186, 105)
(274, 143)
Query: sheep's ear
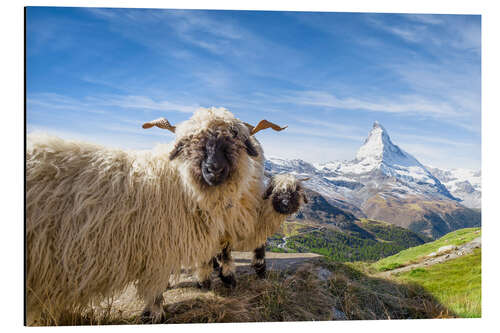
(176, 151)
(263, 124)
(269, 191)
(161, 123)
(304, 197)
(251, 150)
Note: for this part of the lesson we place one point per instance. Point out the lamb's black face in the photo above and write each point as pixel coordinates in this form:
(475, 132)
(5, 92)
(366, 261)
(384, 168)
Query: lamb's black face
(286, 202)
(217, 162)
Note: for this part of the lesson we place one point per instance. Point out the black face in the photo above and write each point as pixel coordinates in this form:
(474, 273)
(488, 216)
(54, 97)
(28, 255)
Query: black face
(286, 202)
(214, 155)
(215, 166)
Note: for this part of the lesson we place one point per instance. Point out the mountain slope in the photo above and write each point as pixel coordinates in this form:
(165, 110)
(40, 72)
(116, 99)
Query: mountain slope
(462, 183)
(386, 183)
(322, 228)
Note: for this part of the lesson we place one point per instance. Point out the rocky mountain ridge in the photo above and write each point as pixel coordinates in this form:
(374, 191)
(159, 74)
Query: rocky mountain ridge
(384, 182)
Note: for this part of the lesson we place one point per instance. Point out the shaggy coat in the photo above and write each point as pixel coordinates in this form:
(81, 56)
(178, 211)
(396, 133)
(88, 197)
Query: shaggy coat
(284, 196)
(98, 219)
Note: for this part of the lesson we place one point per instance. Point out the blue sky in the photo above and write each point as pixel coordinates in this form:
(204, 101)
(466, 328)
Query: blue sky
(98, 74)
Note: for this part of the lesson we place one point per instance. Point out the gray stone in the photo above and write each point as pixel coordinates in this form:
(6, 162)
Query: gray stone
(338, 315)
(323, 274)
(446, 248)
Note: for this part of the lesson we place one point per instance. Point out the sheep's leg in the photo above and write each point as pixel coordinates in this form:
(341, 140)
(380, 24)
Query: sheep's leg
(226, 270)
(203, 274)
(153, 312)
(259, 261)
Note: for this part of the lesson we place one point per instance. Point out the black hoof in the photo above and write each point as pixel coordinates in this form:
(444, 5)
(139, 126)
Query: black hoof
(205, 285)
(229, 281)
(260, 271)
(146, 317)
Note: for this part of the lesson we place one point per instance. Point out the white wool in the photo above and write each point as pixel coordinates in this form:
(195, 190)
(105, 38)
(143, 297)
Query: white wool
(98, 219)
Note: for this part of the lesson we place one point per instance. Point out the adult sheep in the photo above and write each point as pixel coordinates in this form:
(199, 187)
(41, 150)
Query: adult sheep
(98, 219)
(284, 196)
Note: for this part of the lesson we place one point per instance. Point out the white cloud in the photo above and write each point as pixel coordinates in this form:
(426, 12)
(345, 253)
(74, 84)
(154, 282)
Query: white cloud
(407, 104)
(425, 18)
(96, 103)
(444, 157)
(195, 28)
(144, 103)
(306, 148)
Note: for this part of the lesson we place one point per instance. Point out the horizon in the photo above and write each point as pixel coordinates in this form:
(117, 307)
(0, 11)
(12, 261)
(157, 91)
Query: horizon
(97, 74)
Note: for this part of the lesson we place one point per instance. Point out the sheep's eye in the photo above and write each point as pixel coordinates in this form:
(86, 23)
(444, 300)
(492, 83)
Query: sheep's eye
(234, 131)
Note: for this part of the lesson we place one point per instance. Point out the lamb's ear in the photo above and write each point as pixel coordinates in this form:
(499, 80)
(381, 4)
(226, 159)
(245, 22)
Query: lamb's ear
(177, 150)
(269, 191)
(161, 123)
(263, 124)
(251, 150)
(304, 197)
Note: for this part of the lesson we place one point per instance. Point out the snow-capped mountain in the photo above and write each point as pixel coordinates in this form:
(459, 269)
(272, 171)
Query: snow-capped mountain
(383, 181)
(464, 184)
(379, 164)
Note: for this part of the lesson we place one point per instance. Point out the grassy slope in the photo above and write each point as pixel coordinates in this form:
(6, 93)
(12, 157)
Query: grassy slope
(414, 254)
(455, 283)
(364, 240)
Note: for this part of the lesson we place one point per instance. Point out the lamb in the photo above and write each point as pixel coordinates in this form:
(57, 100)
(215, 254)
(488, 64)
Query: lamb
(284, 196)
(98, 219)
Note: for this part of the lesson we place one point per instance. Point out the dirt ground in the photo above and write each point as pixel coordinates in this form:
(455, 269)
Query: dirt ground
(128, 305)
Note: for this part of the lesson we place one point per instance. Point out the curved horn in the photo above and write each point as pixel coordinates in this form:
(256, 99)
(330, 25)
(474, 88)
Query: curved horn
(161, 123)
(263, 124)
(250, 127)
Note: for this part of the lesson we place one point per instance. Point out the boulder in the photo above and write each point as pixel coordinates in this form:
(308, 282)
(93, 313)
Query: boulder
(446, 248)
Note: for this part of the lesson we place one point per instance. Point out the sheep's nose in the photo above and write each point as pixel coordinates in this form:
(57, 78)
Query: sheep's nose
(214, 169)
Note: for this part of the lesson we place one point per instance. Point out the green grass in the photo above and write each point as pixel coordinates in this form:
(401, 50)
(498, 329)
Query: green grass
(455, 283)
(365, 240)
(414, 254)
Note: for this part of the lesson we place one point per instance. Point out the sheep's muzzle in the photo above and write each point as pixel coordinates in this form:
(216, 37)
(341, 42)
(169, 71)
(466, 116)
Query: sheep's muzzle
(286, 201)
(216, 166)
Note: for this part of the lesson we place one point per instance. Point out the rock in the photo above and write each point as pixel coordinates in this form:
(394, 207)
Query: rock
(432, 254)
(446, 248)
(338, 315)
(323, 274)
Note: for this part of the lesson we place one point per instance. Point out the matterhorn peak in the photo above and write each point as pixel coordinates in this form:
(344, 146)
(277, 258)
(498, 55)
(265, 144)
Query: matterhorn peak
(377, 144)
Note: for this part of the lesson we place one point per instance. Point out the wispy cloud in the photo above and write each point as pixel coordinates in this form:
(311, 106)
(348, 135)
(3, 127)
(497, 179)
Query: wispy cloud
(444, 157)
(199, 30)
(426, 18)
(143, 103)
(106, 134)
(96, 103)
(409, 104)
(454, 31)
